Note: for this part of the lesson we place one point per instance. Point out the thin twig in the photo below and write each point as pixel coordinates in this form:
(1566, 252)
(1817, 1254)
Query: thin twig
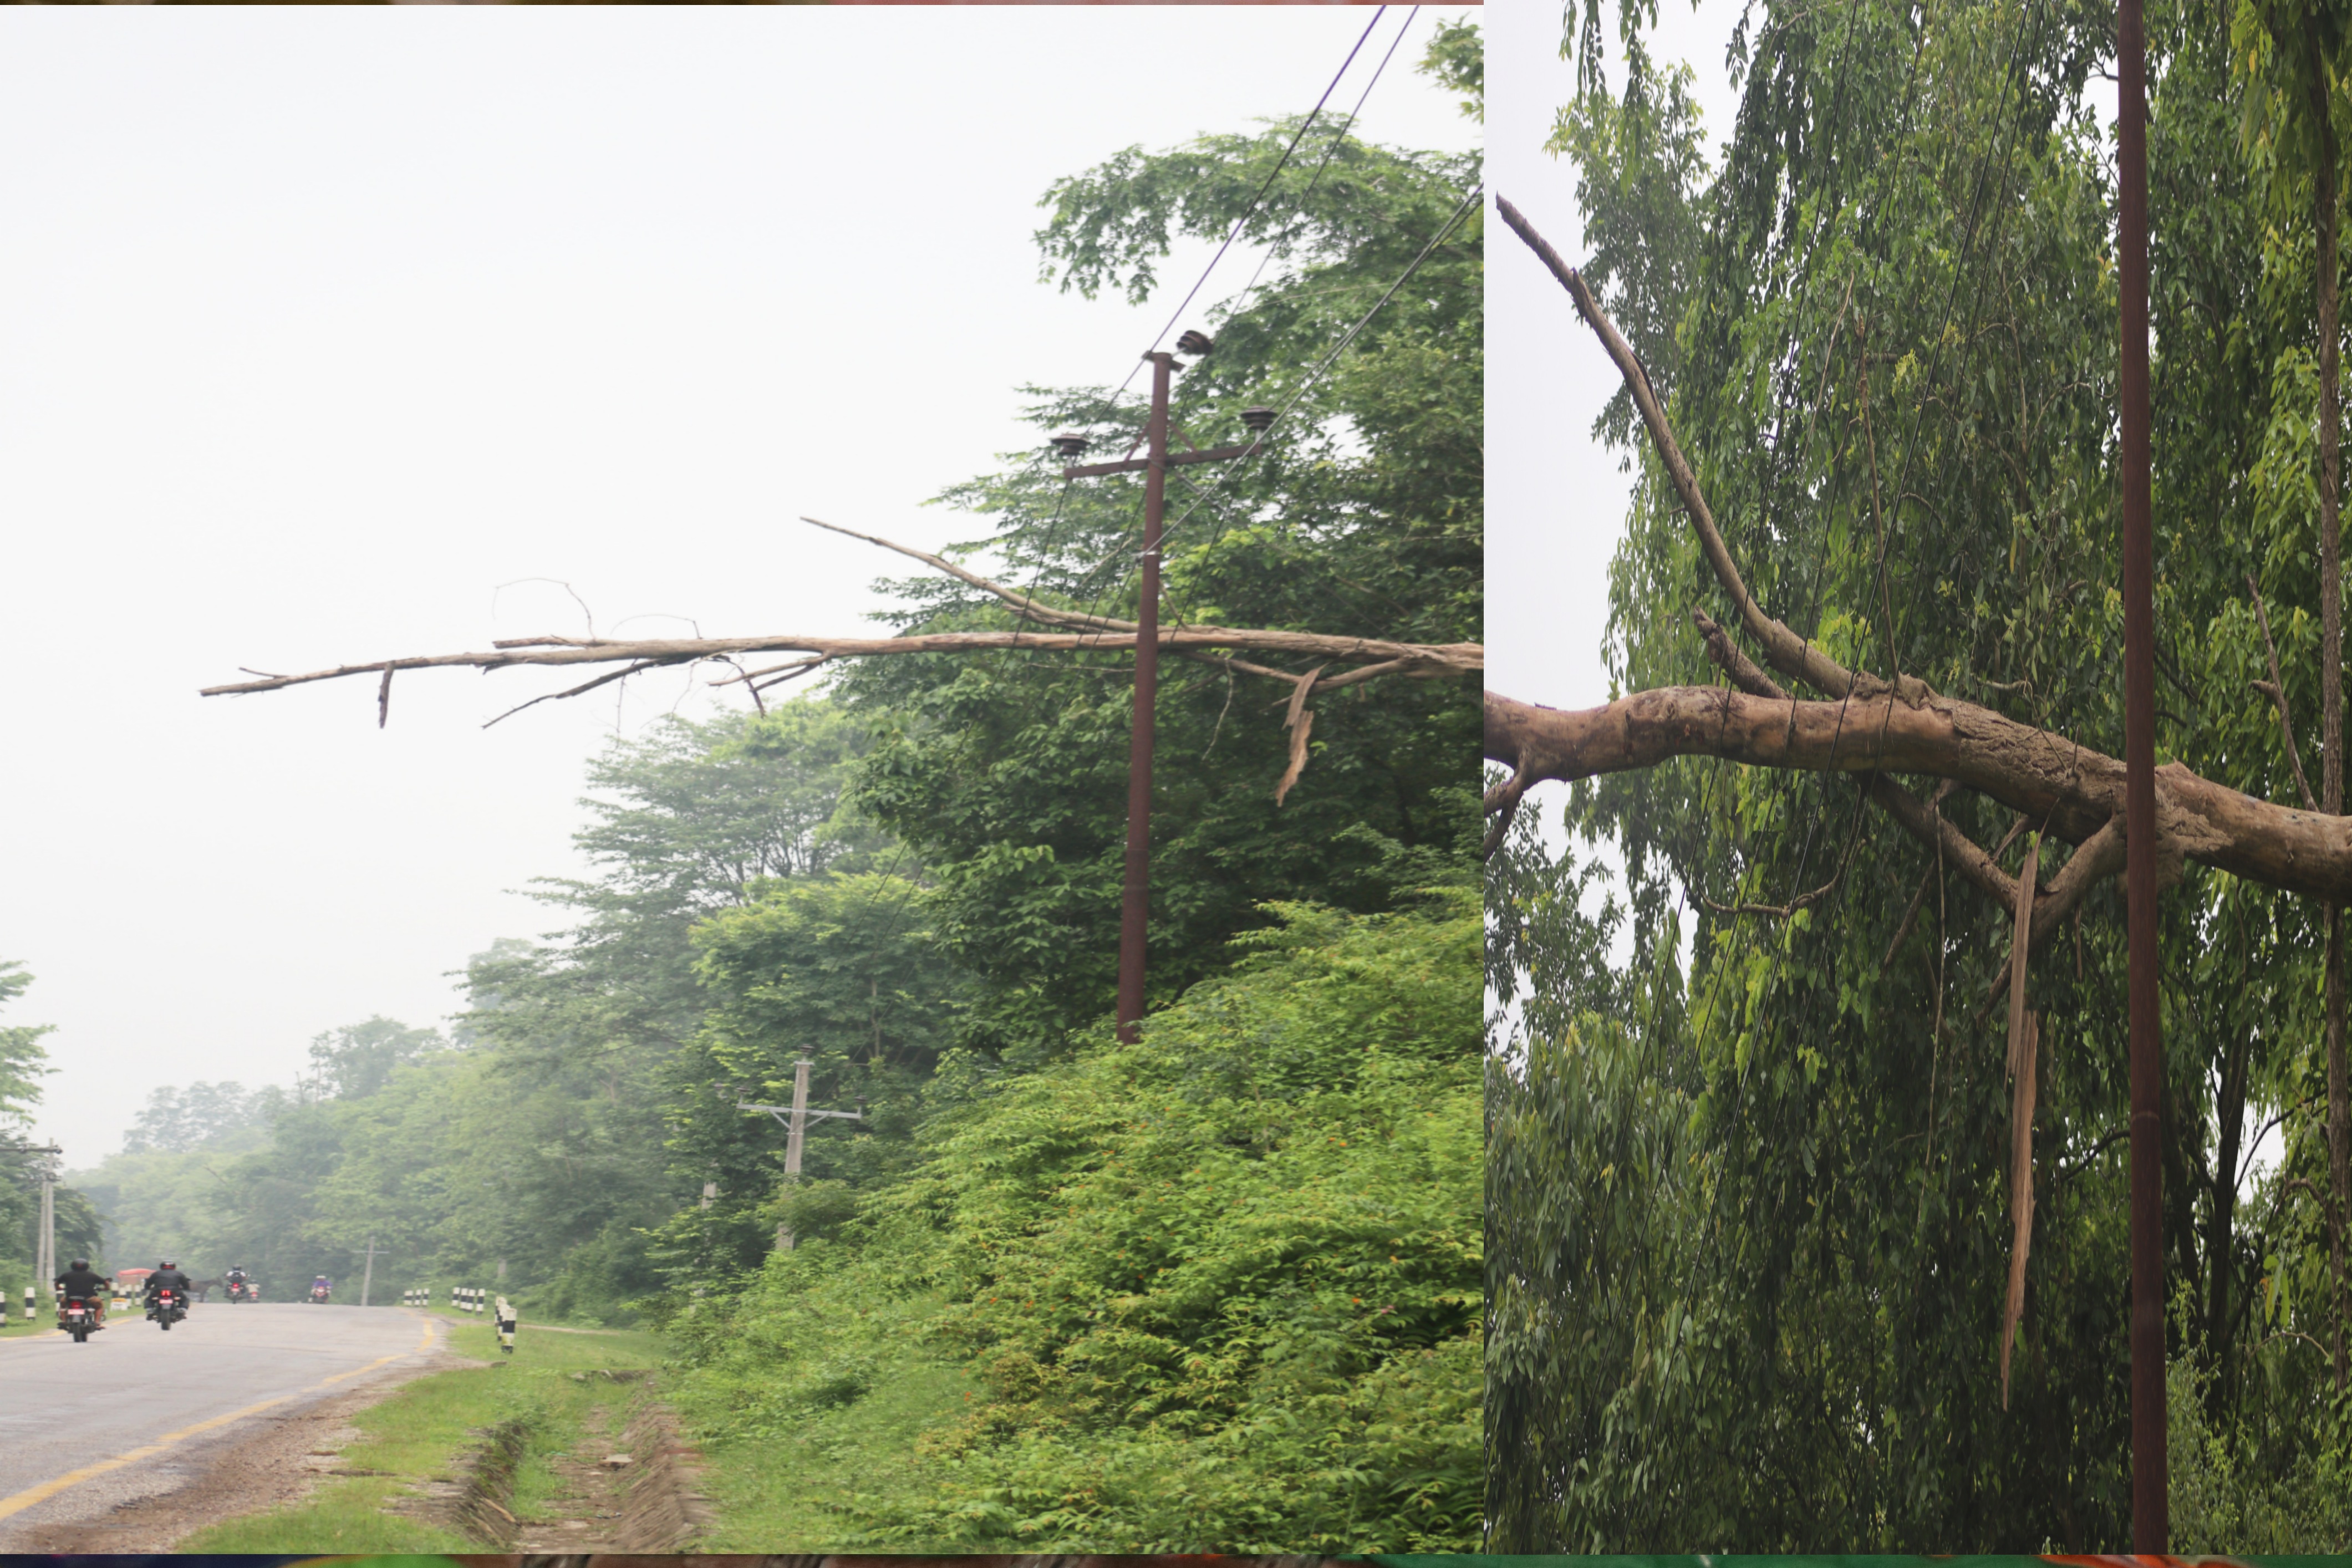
(2275, 689)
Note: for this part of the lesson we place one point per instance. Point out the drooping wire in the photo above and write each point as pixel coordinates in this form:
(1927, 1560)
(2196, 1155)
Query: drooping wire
(1238, 224)
(1257, 442)
(1248, 212)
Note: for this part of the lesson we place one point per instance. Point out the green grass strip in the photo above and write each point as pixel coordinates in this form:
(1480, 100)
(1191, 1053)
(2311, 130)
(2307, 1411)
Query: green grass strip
(423, 1432)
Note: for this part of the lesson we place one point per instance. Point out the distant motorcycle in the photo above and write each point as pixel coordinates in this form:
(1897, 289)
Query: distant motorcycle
(78, 1316)
(169, 1309)
(319, 1295)
(241, 1290)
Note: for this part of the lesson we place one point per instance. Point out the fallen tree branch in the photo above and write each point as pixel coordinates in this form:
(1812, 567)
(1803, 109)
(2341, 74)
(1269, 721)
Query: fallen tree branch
(1792, 655)
(1080, 632)
(1877, 729)
(2044, 775)
(1418, 660)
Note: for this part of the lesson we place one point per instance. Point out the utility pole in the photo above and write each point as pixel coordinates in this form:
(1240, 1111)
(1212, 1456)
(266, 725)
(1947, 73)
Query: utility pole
(796, 1121)
(367, 1276)
(45, 1244)
(796, 1137)
(48, 1271)
(2151, 1522)
(1135, 903)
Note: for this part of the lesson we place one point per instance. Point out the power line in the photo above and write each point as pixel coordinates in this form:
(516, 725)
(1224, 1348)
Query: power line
(1251, 210)
(1258, 439)
(1246, 214)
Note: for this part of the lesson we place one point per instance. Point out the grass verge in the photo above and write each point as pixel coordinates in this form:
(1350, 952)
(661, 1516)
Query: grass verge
(421, 1434)
(785, 1486)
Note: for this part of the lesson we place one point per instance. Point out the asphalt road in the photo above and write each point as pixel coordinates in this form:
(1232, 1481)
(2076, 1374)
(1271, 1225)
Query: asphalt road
(137, 1411)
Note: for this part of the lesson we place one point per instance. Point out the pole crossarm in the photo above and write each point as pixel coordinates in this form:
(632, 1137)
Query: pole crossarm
(1176, 461)
(783, 1113)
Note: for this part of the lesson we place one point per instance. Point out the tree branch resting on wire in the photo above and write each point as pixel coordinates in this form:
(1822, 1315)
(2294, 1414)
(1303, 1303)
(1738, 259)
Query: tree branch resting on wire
(1864, 725)
(1071, 631)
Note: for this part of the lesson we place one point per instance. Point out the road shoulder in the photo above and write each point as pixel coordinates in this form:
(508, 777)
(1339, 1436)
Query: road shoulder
(266, 1469)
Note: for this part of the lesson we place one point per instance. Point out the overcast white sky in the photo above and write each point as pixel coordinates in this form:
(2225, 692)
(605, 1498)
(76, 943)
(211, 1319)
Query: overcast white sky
(1555, 501)
(317, 326)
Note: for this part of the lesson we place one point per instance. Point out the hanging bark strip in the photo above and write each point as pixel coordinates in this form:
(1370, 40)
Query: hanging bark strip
(2025, 1050)
(2020, 945)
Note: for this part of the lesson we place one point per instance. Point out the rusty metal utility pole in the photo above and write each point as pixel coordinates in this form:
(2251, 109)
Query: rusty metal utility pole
(2151, 1522)
(1135, 905)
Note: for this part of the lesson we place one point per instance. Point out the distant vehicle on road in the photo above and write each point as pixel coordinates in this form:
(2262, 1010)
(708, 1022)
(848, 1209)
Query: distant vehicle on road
(130, 1285)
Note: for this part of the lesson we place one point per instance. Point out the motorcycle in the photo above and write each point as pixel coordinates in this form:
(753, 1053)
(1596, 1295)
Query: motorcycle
(319, 1295)
(168, 1307)
(77, 1317)
(241, 1290)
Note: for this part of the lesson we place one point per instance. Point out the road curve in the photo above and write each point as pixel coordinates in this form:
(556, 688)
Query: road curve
(137, 1410)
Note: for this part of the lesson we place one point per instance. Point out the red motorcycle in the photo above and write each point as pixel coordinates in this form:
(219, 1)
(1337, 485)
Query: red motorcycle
(169, 1309)
(319, 1295)
(80, 1317)
(241, 1290)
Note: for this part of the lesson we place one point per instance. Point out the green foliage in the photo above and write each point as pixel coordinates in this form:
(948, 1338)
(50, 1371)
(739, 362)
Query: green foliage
(357, 1060)
(204, 1115)
(2222, 1499)
(1457, 59)
(1219, 1290)
(1363, 513)
(844, 971)
(1751, 1224)
(21, 1055)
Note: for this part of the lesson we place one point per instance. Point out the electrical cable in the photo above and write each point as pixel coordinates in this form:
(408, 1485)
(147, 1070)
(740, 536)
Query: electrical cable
(1251, 210)
(1258, 439)
(1246, 214)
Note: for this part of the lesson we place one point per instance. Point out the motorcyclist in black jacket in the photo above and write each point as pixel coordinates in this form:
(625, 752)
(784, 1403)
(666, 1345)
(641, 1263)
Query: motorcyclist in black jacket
(168, 1274)
(81, 1280)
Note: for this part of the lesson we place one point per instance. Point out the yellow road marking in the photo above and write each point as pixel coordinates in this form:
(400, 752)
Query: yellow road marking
(49, 1488)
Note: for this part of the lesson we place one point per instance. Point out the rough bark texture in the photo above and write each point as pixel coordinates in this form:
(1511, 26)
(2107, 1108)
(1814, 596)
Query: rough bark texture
(2031, 770)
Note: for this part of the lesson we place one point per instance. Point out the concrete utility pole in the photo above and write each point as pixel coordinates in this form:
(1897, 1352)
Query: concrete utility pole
(45, 1242)
(2151, 1520)
(367, 1276)
(796, 1121)
(796, 1136)
(1134, 909)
